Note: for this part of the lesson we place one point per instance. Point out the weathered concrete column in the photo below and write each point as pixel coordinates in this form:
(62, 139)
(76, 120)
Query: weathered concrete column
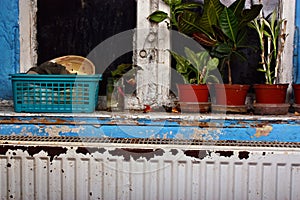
(28, 29)
(151, 43)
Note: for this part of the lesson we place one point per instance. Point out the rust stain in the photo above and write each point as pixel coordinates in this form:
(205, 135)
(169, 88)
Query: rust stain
(10, 121)
(263, 131)
(198, 124)
(259, 124)
(40, 120)
(123, 122)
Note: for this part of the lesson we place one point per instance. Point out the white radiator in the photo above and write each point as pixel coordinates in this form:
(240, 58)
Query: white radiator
(67, 168)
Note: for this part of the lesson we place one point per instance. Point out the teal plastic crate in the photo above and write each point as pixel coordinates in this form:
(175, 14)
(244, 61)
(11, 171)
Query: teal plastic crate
(55, 93)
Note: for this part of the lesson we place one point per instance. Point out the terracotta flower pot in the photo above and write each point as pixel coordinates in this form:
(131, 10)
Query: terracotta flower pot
(192, 93)
(227, 94)
(193, 98)
(270, 94)
(296, 88)
(270, 99)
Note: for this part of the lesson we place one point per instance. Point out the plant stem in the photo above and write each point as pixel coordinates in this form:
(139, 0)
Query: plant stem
(282, 44)
(203, 75)
(269, 80)
(229, 72)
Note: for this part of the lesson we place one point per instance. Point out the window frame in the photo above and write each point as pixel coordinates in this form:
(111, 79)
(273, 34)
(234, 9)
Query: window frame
(28, 47)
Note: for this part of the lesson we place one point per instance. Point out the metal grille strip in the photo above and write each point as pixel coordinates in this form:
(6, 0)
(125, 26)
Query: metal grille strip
(146, 141)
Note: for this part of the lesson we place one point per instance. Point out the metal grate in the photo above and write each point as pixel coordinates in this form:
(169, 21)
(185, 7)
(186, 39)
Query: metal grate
(147, 141)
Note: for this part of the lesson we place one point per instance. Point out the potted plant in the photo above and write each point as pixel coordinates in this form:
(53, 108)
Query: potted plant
(222, 31)
(296, 89)
(197, 70)
(270, 96)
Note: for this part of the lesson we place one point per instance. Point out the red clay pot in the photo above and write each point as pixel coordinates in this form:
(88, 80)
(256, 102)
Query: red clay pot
(270, 94)
(192, 93)
(296, 88)
(231, 94)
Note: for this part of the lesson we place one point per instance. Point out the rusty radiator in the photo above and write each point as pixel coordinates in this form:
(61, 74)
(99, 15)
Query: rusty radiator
(112, 168)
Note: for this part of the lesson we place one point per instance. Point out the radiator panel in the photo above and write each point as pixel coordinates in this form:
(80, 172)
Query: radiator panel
(133, 170)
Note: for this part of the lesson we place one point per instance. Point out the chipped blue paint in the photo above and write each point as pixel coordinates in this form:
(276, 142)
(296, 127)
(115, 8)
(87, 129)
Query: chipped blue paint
(9, 44)
(229, 129)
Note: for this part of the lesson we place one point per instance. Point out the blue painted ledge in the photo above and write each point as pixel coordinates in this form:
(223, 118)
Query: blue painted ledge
(152, 125)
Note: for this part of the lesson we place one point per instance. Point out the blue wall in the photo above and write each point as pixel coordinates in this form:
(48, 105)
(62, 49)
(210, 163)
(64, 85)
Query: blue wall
(9, 44)
(297, 42)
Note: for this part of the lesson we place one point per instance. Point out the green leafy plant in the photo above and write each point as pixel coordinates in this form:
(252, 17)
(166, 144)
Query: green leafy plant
(221, 30)
(177, 7)
(270, 32)
(196, 68)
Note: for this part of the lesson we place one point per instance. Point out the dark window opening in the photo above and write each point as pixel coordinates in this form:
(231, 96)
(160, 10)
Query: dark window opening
(76, 27)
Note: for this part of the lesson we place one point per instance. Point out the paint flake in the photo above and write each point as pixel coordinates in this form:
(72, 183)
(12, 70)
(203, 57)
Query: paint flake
(263, 131)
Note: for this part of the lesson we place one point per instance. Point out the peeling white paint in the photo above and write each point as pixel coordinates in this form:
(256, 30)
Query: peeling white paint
(26, 132)
(206, 134)
(263, 131)
(57, 130)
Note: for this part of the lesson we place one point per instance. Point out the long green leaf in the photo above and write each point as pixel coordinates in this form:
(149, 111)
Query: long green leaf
(237, 7)
(192, 57)
(182, 63)
(187, 6)
(188, 22)
(229, 24)
(204, 39)
(210, 17)
(203, 58)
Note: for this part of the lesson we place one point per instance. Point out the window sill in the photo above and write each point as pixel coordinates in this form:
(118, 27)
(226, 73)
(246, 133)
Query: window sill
(8, 111)
(210, 126)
